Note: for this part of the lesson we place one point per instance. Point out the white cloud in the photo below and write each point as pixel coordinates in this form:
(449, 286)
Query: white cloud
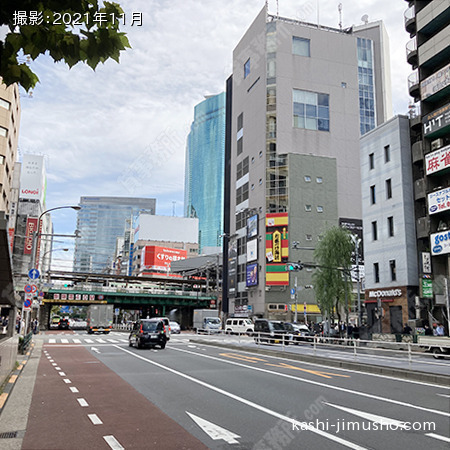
(134, 117)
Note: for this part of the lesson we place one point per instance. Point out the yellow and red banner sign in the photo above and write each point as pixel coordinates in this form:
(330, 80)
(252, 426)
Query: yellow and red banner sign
(277, 249)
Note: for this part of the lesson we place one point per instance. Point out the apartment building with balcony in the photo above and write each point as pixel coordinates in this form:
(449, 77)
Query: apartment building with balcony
(428, 52)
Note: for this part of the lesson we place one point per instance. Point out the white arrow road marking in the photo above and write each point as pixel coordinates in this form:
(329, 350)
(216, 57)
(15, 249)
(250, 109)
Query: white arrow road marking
(214, 431)
(444, 395)
(373, 417)
(95, 349)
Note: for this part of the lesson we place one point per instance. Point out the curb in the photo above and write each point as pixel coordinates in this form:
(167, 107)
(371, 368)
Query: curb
(9, 384)
(413, 375)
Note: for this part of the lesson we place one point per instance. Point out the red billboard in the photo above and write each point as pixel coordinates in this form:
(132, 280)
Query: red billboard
(159, 258)
(31, 228)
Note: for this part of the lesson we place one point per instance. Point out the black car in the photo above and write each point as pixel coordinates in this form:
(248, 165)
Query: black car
(272, 331)
(148, 333)
(63, 324)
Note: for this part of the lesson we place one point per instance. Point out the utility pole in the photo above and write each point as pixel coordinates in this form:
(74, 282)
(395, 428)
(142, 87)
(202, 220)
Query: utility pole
(296, 300)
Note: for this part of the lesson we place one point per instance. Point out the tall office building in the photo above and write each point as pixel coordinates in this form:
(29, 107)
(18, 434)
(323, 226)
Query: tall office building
(428, 51)
(300, 96)
(204, 174)
(100, 221)
(390, 254)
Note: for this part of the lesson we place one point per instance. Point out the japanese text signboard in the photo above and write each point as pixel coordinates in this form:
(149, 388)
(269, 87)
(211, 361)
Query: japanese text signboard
(438, 160)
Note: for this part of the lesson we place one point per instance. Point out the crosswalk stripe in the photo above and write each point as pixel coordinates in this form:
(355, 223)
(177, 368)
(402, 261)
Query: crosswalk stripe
(77, 341)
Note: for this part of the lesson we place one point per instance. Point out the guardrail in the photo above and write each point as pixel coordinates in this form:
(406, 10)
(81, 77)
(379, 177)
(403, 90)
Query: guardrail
(25, 342)
(408, 351)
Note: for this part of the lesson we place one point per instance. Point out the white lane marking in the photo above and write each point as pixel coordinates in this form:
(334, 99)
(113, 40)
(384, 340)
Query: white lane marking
(62, 374)
(82, 402)
(303, 425)
(95, 419)
(74, 389)
(123, 340)
(64, 341)
(113, 443)
(367, 374)
(58, 368)
(54, 364)
(67, 381)
(215, 432)
(368, 416)
(317, 383)
(102, 341)
(89, 341)
(94, 349)
(444, 395)
(51, 341)
(77, 341)
(438, 436)
(114, 341)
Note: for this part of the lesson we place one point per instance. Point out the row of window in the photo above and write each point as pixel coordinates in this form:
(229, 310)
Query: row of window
(387, 157)
(392, 270)
(311, 110)
(373, 193)
(390, 224)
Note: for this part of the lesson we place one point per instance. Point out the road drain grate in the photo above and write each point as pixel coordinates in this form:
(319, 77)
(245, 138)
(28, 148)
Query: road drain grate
(8, 434)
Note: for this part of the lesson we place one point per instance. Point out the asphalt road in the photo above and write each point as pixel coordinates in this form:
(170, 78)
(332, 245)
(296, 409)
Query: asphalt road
(233, 398)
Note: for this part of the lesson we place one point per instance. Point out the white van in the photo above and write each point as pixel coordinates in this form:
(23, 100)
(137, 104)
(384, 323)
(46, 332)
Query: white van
(239, 326)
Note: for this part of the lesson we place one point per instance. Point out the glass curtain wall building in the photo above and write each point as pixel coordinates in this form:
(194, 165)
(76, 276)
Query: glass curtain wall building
(100, 221)
(204, 175)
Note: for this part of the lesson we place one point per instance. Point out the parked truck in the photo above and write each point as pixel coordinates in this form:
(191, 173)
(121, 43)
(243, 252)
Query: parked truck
(100, 318)
(438, 345)
(207, 321)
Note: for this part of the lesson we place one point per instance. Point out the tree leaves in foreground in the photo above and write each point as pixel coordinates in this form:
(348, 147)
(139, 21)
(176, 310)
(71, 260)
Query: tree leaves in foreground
(90, 35)
(332, 254)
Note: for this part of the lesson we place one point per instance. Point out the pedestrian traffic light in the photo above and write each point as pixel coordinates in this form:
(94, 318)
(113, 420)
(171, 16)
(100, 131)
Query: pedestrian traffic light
(294, 267)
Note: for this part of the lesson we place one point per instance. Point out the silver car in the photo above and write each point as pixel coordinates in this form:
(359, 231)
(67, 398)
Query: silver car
(175, 327)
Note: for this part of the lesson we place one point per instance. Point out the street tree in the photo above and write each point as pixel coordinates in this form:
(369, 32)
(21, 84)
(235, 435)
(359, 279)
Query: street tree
(332, 281)
(71, 31)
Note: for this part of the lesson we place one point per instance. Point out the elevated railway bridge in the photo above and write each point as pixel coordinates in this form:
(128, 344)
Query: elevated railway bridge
(143, 296)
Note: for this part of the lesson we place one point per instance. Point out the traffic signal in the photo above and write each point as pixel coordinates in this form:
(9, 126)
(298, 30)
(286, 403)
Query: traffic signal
(294, 267)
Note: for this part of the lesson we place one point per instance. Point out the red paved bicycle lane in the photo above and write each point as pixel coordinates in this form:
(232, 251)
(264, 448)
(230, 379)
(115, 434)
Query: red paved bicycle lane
(58, 421)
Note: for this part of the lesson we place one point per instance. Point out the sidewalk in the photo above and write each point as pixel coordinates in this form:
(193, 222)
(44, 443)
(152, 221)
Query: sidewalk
(14, 414)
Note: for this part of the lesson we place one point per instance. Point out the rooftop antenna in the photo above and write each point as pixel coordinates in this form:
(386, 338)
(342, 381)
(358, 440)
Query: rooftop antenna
(340, 15)
(277, 9)
(173, 208)
(365, 19)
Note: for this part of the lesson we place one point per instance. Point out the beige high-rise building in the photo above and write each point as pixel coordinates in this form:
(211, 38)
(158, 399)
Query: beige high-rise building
(9, 135)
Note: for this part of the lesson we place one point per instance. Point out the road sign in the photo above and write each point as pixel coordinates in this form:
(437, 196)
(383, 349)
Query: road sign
(33, 274)
(27, 303)
(28, 289)
(33, 288)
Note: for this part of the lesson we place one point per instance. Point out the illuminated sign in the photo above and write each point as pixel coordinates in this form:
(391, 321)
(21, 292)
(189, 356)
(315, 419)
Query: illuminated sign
(252, 275)
(438, 160)
(440, 243)
(439, 201)
(435, 83)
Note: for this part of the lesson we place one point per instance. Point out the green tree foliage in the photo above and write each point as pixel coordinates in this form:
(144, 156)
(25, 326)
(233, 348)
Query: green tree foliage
(69, 31)
(332, 285)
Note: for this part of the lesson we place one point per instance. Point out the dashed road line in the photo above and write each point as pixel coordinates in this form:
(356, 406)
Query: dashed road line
(74, 389)
(113, 443)
(438, 436)
(62, 374)
(67, 381)
(82, 402)
(95, 419)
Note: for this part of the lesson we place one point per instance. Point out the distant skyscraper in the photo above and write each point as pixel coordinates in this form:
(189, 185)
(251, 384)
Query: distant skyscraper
(204, 175)
(100, 221)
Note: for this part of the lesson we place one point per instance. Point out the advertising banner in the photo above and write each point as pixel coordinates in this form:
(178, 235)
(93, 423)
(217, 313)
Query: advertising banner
(159, 258)
(232, 268)
(252, 275)
(436, 121)
(440, 243)
(427, 288)
(439, 201)
(31, 228)
(32, 178)
(438, 160)
(252, 226)
(435, 83)
(277, 249)
(252, 250)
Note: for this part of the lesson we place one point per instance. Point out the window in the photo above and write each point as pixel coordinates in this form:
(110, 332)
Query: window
(320, 209)
(307, 179)
(393, 270)
(311, 110)
(372, 195)
(242, 168)
(388, 188)
(371, 161)
(3, 132)
(391, 226)
(376, 272)
(343, 85)
(301, 46)
(260, 181)
(309, 237)
(308, 208)
(240, 121)
(374, 231)
(240, 146)
(319, 180)
(387, 153)
(242, 194)
(247, 68)
(2, 160)
(260, 154)
(5, 104)
(253, 159)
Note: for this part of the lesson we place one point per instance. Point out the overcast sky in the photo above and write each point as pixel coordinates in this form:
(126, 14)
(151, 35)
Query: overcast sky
(121, 130)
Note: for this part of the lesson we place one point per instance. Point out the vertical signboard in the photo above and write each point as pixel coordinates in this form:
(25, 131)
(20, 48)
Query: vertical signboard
(31, 228)
(277, 249)
(32, 178)
(232, 268)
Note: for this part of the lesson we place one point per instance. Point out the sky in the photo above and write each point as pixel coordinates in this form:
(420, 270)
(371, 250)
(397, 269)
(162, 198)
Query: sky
(121, 130)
